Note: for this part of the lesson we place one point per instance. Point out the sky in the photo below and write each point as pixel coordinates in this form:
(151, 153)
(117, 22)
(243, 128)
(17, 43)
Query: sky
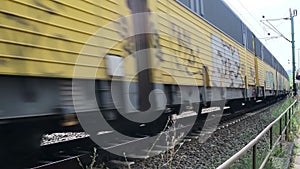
(251, 13)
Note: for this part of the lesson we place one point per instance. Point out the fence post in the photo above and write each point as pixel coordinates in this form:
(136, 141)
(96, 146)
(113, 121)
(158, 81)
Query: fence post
(280, 132)
(271, 138)
(290, 116)
(254, 157)
(285, 126)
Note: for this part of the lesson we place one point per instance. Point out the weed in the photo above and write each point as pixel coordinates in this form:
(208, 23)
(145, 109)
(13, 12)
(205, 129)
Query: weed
(93, 163)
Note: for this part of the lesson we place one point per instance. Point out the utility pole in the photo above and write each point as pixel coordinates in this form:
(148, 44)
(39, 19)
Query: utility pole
(269, 25)
(298, 58)
(292, 15)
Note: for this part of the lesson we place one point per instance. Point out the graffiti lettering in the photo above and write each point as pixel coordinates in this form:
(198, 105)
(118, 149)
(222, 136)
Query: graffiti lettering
(124, 32)
(128, 46)
(227, 69)
(185, 50)
(155, 41)
(270, 84)
(252, 75)
(280, 83)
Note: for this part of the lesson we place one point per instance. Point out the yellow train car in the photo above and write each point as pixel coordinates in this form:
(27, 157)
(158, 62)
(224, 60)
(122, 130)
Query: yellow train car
(54, 42)
(184, 45)
(124, 57)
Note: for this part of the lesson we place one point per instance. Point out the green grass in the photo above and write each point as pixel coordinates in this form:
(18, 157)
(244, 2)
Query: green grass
(295, 132)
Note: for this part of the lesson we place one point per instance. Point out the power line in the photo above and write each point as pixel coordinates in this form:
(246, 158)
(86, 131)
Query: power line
(250, 13)
(244, 18)
(273, 28)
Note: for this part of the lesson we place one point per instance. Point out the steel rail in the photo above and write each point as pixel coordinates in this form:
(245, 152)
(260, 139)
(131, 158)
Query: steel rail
(72, 161)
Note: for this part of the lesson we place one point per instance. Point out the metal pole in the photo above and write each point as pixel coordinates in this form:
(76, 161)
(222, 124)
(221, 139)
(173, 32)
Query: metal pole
(298, 58)
(290, 119)
(280, 132)
(280, 126)
(271, 138)
(254, 157)
(285, 125)
(293, 52)
(291, 114)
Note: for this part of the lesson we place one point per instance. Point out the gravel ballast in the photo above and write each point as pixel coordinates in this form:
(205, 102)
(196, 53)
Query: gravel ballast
(219, 147)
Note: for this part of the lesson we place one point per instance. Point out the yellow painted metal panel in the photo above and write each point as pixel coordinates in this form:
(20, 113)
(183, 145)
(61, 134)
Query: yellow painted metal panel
(52, 34)
(45, 38)
(270, 77)
(261, 72)
(193, 43)
(250, 69)
(256, 71)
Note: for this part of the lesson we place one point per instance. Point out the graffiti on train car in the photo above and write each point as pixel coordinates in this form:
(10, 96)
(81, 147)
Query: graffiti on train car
(125, 30)
(227, 69)
(30, 36)
(185, 49)
(155, 42)
(252, 78)
(280, 83)
(270, 83)
(123, 26)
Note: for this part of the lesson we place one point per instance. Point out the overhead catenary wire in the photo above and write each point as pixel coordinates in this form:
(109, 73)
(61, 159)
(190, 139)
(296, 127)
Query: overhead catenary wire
(251, 15)
(248, 23)
(249, 18)
(270, 27)
(273, 28)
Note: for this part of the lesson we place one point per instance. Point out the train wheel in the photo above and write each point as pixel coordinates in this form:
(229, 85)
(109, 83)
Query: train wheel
(200, 119)
(19, 146)
(235, 105)
(134, 129)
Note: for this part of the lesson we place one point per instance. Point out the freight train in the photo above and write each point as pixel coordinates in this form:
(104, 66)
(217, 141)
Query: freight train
(182, 54)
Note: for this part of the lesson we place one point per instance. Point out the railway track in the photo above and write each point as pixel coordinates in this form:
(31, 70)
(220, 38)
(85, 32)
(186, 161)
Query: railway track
(65, 154)
(83, 152)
